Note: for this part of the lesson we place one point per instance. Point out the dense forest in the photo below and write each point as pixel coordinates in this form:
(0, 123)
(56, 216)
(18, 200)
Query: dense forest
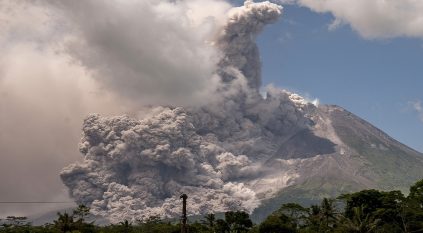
(365, 211)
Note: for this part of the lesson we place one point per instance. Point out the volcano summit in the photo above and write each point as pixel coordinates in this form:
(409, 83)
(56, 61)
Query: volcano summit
(243, 150)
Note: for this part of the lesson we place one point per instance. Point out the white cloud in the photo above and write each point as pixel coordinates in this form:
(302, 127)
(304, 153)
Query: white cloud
(335, 24)
(284, 2)
(418, 108)
(285, 37)
(374, 18)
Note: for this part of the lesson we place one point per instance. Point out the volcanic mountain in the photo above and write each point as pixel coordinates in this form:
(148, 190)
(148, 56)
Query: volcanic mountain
(242, 150)
(339, 153)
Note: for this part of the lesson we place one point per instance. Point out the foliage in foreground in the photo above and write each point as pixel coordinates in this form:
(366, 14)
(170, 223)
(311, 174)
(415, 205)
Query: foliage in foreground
(367, 211)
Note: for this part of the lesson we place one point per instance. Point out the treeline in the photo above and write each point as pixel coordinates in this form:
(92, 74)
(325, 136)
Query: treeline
(368, 211)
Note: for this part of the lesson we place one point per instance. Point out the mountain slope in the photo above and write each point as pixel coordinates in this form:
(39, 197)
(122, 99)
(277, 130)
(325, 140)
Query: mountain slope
(341, 153)
(238, 151)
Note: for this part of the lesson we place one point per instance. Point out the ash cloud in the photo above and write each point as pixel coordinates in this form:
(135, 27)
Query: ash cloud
(238, 39)
(150, 52)
(134, 169)
(64, 59)
(43, 101)
(137, 168)
(48, 84)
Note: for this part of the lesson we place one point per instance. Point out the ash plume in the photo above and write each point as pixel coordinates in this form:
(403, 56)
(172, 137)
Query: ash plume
(238, 38)
(150, 52)
(137, 168)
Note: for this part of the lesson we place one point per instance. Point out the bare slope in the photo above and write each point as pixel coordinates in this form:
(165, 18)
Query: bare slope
(349, 155)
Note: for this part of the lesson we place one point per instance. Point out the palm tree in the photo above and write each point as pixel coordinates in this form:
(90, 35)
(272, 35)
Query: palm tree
(64, 223)
(81, 212)
(360, 222)
(210, 220)
(328, 212)
(323, 218)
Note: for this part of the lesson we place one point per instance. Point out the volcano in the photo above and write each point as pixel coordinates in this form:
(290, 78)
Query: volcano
(340, 153)
(242, 150)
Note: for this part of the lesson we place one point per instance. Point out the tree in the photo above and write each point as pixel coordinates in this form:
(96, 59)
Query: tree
(81, 213)
(221, 226)
(416, 193)
(359, 223)
(126, 226)
(368, 200)
(412, 209)
(328, 212)
(238, 221)
(389, 211)
(210, 220)
(322, 218)
(17, 221)
(64, 223)
(296, 213)
(277, 223)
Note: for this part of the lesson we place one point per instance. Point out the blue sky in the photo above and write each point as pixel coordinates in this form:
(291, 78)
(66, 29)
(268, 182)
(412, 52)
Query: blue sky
(376, 79)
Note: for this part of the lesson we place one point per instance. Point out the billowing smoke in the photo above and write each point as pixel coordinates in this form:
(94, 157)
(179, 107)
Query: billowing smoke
(238, 39)
(44, 99)
(151, 52)
(134, 169)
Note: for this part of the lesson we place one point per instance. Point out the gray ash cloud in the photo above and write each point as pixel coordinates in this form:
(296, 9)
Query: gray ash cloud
(137, 168)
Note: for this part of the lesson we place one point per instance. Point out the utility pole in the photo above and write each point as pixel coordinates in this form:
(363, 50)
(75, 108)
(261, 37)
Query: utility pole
(184, 213)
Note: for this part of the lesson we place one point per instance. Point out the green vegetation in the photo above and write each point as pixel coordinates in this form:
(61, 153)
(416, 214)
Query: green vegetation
(367, 211)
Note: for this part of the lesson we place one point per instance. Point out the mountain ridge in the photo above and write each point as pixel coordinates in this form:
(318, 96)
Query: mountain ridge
(363, 157)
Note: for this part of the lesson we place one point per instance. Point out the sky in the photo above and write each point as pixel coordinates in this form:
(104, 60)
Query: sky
(59, 63)
(378, 79)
